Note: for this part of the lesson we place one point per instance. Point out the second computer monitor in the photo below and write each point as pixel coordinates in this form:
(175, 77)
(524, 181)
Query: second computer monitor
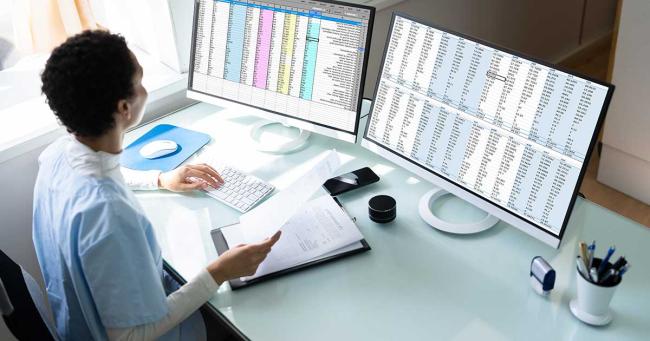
(507, 133)
(299, 62)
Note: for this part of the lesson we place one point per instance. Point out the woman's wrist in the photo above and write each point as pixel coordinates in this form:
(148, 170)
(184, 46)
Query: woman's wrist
(162, 181)
(216, 273)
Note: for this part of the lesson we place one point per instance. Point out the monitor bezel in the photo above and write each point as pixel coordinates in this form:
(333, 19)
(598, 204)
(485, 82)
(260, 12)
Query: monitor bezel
(278, 116)
(505, 214)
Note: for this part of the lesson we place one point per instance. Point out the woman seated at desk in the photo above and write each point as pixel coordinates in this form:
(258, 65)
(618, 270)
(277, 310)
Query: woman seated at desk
(96, 248)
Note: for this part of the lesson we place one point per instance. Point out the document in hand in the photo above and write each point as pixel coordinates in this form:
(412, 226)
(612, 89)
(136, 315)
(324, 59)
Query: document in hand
(311, 231)
(264, 220)
(319, 228)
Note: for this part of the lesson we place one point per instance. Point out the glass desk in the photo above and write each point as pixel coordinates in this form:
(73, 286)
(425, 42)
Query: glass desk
(416, 283)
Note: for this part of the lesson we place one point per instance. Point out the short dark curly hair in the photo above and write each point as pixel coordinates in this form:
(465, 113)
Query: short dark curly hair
(84, 79)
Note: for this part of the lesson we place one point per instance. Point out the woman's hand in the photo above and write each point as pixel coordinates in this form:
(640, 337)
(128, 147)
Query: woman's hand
(241, 260)
(190, 177)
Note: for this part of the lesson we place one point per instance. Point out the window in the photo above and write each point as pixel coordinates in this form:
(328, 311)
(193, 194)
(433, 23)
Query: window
(158, 32)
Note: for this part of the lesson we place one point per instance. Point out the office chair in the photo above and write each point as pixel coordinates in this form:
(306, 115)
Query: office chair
(22, 303)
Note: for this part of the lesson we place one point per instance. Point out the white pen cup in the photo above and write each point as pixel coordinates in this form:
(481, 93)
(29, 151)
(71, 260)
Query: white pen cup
(592, 303)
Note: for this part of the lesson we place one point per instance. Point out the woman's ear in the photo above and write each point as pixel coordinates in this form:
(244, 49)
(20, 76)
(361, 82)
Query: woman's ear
(123, 111)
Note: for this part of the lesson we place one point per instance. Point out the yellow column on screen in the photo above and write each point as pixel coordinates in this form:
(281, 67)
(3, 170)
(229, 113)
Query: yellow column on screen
(286, 55)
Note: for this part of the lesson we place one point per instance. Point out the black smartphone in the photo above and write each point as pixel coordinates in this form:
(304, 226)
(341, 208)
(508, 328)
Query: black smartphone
(349, 181)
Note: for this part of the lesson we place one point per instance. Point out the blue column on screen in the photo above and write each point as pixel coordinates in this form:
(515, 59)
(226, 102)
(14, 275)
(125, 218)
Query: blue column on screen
(529, 178)
(446, 120)
(311, 54)
(547, 182)
(544, 121)
(235, 43)
(564, 129)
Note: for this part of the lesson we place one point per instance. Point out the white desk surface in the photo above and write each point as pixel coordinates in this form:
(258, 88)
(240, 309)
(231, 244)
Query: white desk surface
(416, 283)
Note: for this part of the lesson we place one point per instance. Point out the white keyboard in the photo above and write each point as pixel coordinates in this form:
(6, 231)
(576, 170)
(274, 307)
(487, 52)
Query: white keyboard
(240, 191)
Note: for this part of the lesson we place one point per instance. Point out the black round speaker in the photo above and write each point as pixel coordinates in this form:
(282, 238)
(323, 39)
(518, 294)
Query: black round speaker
(382, 209)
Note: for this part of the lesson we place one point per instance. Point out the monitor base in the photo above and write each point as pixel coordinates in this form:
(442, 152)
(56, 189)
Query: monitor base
(430, 218)
(282, 147)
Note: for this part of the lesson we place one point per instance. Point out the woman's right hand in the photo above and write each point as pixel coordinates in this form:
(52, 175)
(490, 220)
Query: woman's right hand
(241, 260)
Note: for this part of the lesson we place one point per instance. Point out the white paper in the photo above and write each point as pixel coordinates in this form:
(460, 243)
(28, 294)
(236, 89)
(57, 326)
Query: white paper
(318, 229)
(264, 220)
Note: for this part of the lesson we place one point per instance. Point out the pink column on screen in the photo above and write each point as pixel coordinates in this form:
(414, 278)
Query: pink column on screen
(263, 49)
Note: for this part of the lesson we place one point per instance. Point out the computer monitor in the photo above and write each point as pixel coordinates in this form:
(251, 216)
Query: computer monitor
(509, 134)
(298, 62)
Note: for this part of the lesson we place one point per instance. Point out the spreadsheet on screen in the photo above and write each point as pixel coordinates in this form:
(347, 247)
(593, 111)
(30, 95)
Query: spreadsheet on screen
(302, 59)
(511, 130)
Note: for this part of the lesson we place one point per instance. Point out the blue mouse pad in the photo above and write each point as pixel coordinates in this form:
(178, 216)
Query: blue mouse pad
(188, 141)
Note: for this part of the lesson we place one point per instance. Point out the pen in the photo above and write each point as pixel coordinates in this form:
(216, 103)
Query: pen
(620, 262)
(605, 261)
(594, 275)
(581, 267)
(609, 274)
(582, 249)
(623, 269)
(591, 249)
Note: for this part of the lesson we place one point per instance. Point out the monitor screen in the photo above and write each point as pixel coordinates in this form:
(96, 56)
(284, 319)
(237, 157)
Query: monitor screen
(299, 58)
(512, 131)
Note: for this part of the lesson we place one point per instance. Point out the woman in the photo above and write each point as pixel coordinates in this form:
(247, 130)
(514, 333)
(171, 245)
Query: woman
(98, 252)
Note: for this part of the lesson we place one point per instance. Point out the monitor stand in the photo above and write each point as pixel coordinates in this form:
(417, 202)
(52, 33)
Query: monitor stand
(427, 207)
(287, 139)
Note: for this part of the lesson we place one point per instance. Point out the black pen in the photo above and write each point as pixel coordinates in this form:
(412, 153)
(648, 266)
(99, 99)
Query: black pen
(611, 272)
(620, 262)
(624, 269)
(605, 261)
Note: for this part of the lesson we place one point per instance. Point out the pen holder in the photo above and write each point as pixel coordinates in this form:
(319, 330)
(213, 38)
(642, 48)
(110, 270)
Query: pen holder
(592, 304)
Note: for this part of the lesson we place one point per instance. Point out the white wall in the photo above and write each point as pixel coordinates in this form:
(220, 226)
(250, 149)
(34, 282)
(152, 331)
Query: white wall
(625, 159)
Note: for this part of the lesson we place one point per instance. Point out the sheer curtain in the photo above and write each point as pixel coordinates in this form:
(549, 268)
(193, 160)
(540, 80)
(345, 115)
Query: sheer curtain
(40, 25)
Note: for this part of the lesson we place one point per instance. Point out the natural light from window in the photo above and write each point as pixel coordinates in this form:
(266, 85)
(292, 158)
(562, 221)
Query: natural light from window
(157, 32)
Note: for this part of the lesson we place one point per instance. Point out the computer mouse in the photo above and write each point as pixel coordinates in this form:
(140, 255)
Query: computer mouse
(158, 148)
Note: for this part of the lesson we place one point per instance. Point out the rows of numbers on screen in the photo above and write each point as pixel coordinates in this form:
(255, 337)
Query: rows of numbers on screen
(300, 58)
(512, 130)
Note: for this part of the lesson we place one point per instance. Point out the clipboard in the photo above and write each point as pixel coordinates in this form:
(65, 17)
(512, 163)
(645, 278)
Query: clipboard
(222, 246)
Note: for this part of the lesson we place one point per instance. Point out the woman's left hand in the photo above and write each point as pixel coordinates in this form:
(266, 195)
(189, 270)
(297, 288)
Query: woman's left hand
(190, 177)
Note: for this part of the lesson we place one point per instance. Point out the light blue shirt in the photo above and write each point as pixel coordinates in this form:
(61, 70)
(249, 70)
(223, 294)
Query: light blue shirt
(97, 251)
